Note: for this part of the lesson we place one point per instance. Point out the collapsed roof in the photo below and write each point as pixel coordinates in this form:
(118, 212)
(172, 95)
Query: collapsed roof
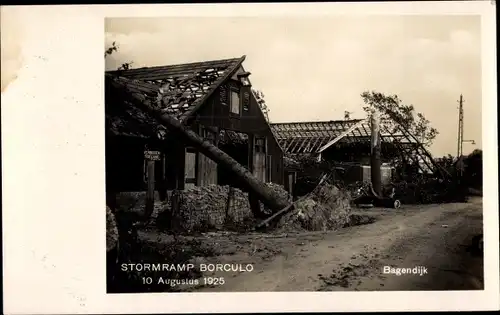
(184, 88)
(315, 137)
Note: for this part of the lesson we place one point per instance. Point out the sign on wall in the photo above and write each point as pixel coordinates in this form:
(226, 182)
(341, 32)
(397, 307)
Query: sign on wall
(152, 155)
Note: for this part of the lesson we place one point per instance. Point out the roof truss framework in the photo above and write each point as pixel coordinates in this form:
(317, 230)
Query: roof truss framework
(183, 88)
(311, 137)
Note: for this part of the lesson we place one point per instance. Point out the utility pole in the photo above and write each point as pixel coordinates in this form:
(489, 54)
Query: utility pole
(460, 127)
(461, 135)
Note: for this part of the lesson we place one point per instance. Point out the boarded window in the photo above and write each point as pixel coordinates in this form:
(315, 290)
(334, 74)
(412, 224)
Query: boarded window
(235, 102)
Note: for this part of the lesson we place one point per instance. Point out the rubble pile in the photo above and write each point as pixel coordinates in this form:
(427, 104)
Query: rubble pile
(326, 208)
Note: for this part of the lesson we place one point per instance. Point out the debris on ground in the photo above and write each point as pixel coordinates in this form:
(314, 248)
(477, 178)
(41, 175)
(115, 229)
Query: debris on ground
(326, 208)
(207, 208)
(359, 219)
(279, 190)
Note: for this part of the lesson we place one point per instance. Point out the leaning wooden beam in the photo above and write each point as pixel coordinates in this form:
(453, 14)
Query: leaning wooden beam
(268, 197)
(342, 135)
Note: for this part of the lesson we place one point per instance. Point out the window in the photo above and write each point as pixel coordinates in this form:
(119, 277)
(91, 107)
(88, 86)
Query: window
(246, 101)
(260, 145)
(235, 102)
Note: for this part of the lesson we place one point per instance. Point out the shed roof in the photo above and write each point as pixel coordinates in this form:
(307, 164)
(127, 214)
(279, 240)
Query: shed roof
(184, 88)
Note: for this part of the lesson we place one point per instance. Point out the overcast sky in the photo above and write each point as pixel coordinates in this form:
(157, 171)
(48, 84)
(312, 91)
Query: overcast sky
(316, 68)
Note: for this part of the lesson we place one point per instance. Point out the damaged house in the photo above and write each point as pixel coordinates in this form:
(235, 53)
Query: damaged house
(212, 98)
(347, 144)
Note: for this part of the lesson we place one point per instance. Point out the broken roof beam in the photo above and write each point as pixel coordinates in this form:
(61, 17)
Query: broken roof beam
(342, 135)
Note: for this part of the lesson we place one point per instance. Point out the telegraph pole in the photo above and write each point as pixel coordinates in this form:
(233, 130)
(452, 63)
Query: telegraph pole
(460, 127)
(461, 140)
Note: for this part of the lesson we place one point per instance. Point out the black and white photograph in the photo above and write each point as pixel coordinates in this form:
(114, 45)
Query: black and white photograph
(251, 157)
(293, 154)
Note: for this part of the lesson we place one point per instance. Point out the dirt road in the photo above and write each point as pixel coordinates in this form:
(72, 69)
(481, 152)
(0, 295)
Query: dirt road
(435, 237)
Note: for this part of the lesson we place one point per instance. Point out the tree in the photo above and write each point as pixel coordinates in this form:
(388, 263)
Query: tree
(473, 174)
(447, 162)
(262, 103)
(114, 48)
(394, 112)
(347, 115)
